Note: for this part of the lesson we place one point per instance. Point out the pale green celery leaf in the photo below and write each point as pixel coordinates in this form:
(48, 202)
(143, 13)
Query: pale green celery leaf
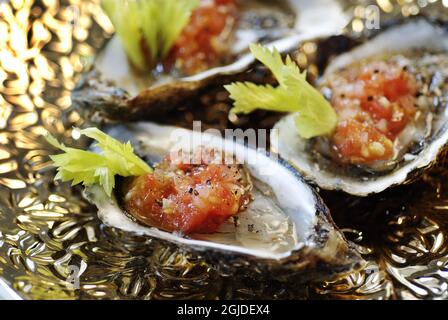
(90, 168)
(125, 16)
(106, 179)
(150, 13)
(156, 22)
(315, 116)
(54, 142)
(121, 155)
(249, 97)
(180, 12)
(77, 165)
(77, 160)
(273, 60)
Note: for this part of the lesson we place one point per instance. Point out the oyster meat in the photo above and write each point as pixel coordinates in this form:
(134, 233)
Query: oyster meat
(401, 110)
(276, 226)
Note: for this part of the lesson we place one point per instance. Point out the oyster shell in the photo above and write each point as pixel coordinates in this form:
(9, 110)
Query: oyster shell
(420, 46)
(117, 93)
(292, 229)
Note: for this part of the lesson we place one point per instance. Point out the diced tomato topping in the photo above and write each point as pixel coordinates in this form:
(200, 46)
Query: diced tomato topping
(377, 110)
(361, 143)
(189, 198)
(199, 47)
(375, 102)
(396, 88)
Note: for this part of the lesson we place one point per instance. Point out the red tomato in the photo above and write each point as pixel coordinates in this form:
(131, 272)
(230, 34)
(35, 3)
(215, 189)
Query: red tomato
(396, 88)
(377, 110)
(198, 47)
(374, 102)
(360, 143)
(186, 198)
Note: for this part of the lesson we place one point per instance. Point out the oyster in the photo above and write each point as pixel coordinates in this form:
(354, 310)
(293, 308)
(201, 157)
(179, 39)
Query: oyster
(292, 229)
(117, 92)
(419, 48)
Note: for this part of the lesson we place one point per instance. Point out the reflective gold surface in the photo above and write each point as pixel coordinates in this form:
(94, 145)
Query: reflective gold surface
(48, 232)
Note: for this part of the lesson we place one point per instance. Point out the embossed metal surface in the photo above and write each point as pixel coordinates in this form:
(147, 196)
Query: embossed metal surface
(50, 237)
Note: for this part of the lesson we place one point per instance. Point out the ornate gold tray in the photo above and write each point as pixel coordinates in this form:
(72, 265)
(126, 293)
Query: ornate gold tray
(52, 245)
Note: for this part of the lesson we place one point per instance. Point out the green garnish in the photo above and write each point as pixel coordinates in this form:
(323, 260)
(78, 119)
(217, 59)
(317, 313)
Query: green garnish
(314, 114)
(156, 23)
(91, 168)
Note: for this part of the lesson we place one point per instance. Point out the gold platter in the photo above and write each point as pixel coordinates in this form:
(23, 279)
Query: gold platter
(52, 245)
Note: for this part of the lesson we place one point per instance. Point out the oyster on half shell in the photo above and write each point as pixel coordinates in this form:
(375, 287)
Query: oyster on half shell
(292, 229)
(419, 47)
(114, 91)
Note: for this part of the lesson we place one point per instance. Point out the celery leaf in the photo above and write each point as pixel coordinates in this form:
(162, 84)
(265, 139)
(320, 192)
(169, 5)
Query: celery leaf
(314, 114)
(148, 28)
(89, 168)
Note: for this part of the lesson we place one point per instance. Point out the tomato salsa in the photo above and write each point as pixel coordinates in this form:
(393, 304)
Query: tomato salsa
(200, 45)
(374, 102)
(188, 198)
